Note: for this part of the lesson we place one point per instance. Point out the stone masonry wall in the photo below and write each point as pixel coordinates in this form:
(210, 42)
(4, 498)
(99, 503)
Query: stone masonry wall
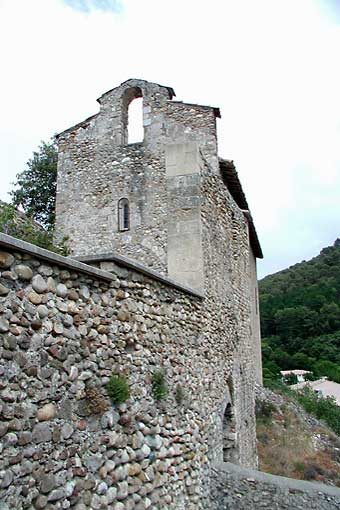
(96, 168)
(236, 488)
(227, 273)
(255, 318)
(184, 223)
(65, 329)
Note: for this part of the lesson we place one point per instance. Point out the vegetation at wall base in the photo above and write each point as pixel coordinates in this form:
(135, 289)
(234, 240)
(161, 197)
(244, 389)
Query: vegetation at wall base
(290, 443)
(300, 317)
(322, 408)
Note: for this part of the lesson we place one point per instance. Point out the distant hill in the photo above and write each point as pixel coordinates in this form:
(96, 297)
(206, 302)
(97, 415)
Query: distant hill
(300, 316)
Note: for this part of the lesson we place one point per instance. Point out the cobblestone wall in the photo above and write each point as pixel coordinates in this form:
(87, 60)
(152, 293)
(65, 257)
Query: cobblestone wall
(65, 329)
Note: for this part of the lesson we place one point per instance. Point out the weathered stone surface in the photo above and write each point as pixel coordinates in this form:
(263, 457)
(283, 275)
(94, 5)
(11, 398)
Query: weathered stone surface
(3, 290)
(122, 490)
(39, 284)
(93, 462)
(3, 428)
(236, 488)
(34, 298)
(84, 293)
(67, 431)
(4, 325)
(47, 412)
(40, 502)
(61, 290)
(42, 433)
(23, 272)
(10, 439)
(6, 478)
(8, 395)
(56, 495)
(47, 483)
(42, 311)
(6, 260)
(45, 270)
(51, 287)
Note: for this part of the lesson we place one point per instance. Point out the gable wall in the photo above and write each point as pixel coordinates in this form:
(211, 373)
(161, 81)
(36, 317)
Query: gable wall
(96, 168)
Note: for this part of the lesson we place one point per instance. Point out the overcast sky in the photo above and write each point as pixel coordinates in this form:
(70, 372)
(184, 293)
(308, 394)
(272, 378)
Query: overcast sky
(272, 66)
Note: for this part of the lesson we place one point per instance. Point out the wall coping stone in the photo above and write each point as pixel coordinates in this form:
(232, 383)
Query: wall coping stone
(79, 264)
(280, 481)
(140, 268)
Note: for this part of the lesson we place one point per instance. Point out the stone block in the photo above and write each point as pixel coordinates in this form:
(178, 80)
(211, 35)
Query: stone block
(181, 159)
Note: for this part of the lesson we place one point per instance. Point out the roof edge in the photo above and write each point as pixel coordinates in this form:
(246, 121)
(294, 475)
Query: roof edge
(231, 180)
(215, 109)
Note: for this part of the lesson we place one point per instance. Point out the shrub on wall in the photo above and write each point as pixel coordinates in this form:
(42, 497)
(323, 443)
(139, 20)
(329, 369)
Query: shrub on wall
(118, 389)
(159, 386)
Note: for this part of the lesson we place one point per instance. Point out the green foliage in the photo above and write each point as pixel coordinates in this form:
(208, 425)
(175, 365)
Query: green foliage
(299, 467)
(8, 223)
(159, 386)
(291, 379)
(323, 408)
(36, 185)
(118, 389)
(279, 387)
(300, 317)
(16, 224)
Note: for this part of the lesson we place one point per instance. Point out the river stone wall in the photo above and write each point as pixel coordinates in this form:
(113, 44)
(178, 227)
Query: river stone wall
(65, 329)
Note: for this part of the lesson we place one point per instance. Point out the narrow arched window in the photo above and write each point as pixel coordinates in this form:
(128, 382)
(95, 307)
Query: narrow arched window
(135, 121)
(132, 116)
(123, 214)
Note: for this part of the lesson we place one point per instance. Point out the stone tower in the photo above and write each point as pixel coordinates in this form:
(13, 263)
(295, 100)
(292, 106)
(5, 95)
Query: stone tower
(169, 202)
(160, 179)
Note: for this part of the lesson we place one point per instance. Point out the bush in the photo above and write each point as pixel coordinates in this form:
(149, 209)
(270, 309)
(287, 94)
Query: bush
(159, 387)
(323, 408)
(118, 389)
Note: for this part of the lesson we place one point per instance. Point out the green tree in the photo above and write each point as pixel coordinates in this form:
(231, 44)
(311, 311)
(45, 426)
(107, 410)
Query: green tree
(300, 315)
(36, 186)
(17, 224)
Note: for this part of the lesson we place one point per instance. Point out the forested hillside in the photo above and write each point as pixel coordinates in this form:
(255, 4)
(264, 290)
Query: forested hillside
(300, 317)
